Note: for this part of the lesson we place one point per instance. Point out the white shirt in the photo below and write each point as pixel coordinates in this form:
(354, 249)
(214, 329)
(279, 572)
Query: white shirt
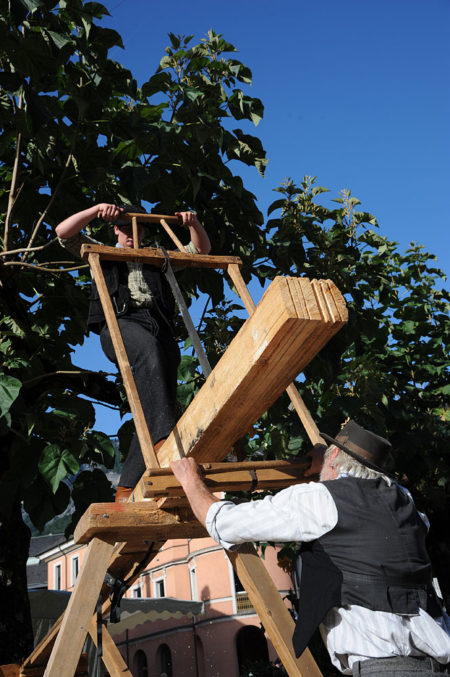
(351, 633)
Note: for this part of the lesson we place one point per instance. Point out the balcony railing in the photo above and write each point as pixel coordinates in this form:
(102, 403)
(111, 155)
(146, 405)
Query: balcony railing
(243, 603)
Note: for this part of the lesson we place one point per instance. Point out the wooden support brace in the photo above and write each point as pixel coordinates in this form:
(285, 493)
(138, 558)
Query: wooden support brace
(140, 423)
(295, 397)
(245, 476)
(134, 225)
(119, 522)
(112, 658)
(172, 235)
(78, 615)
(273, 613)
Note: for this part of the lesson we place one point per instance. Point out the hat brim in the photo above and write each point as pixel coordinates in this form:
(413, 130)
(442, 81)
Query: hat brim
(353, 454)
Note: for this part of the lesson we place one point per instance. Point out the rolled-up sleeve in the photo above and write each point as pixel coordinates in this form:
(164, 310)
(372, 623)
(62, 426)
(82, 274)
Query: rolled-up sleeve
(299, 513)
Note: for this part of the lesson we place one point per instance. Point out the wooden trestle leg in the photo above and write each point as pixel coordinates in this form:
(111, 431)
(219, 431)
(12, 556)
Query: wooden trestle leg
(142, 431)
(77, 617)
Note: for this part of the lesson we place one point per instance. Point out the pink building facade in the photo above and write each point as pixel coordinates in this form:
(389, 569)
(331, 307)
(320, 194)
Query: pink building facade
(218, 643)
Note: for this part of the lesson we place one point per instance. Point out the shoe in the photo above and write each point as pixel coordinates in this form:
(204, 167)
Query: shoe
(123, 494)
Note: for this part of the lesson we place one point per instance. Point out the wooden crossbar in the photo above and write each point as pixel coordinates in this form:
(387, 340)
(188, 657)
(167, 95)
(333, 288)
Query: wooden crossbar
(244, 476)
(157, 257)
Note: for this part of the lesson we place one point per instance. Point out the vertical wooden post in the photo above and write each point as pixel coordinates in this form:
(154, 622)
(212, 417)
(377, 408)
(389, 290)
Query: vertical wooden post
(142, 431)
(134, 226)
(300, 407)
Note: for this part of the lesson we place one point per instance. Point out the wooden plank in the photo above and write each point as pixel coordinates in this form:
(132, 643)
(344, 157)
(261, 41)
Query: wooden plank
(297, 401)
(277, 344)
(152, 218)
(112, 658)
(230, 477)
(271, 609)
(235, 273)
(140, 423)
(75, 625)
(156, 257)
(118, 522)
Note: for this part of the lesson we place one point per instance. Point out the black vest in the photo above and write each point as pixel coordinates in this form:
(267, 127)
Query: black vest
(116, 278)
(374, 557)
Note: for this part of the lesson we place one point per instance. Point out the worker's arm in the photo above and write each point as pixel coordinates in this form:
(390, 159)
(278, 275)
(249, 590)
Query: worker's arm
(199, 496)
(75, 223)
(199, 236)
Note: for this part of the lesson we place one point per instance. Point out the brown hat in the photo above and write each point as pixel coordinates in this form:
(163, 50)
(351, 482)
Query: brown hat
(366, 447)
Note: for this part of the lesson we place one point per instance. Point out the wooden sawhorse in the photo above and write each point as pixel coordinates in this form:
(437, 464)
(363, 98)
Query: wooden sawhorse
(294, 320)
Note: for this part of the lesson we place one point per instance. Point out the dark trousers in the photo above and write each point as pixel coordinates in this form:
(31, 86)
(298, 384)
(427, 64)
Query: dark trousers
(154, 357)
(399, 666)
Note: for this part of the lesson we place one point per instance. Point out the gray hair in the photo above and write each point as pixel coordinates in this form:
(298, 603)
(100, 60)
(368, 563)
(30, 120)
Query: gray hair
(345, 463)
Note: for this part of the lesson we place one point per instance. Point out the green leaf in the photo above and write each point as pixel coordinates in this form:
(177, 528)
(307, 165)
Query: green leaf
(59, 39)
(102, 445)
(56, 463)
(9, 391)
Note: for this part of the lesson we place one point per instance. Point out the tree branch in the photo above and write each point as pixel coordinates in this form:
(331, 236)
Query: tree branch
(70, 372)
(28, 249)
(53, 271)
(50, 202)
(12, 191)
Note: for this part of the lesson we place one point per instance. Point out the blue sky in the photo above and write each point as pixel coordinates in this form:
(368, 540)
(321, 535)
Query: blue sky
(355, 92)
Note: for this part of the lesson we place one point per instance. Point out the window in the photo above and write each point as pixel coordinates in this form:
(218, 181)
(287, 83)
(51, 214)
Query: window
(74, 569)
(164, 658)
(160, 588)
(193, 581)
(57, 577)
(136, 591)
(140, 664)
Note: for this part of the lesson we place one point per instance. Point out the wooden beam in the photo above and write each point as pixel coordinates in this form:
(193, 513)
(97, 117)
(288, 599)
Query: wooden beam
(156, 256)
(270, 608)
(300, 407)
(112, 658)
(152, 218)
(119, 522)
(77, 617)
(142, 431)
(172, 235)
(243, 476)
(271, 348)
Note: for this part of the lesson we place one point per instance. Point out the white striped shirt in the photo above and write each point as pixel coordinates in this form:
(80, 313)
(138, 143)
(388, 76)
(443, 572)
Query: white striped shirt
(351, 633)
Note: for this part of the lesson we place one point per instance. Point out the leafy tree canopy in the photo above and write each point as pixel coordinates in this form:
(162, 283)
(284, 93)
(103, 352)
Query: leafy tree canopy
(76, 129)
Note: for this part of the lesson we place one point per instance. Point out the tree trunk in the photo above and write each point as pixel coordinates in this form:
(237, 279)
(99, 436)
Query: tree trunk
(16, 633)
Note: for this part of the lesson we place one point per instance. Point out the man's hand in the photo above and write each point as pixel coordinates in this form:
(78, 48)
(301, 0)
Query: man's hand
(187, 472)
(316, 454)
(199, 236)
(189, 219)
(109, 212)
